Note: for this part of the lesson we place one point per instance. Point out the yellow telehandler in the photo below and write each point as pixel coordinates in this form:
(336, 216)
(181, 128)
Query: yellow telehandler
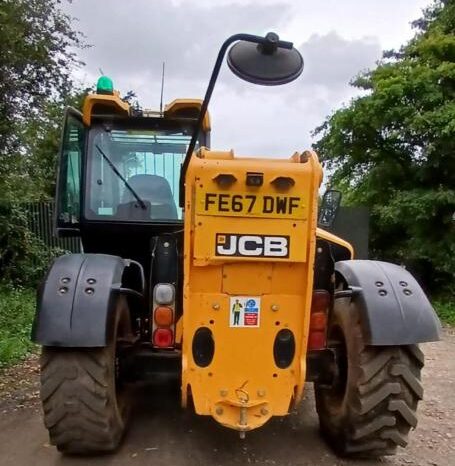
(212, 266)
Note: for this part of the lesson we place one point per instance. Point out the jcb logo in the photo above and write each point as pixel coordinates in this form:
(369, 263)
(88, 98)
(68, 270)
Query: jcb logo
(231, 244)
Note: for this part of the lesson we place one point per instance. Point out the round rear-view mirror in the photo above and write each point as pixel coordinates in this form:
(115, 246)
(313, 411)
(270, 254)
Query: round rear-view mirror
(267, 63)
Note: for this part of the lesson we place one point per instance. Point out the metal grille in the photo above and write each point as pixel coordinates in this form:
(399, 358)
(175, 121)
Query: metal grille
(40, 221)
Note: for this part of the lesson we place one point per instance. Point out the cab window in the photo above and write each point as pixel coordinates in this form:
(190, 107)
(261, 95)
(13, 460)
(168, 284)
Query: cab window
(69, 177)
(134, 174)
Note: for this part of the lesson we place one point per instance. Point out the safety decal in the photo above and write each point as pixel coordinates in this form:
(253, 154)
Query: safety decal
(244, 311)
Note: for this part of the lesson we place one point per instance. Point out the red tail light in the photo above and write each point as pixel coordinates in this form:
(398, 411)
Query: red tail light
(318, 321)
(163, 337)
(317, 338)
(320, 302)
(163, 316)
(316, 341)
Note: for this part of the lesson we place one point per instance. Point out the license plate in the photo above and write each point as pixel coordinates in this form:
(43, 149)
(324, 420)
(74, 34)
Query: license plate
(249, 205)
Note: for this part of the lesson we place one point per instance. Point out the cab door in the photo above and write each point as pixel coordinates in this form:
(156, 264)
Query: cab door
(68, 198)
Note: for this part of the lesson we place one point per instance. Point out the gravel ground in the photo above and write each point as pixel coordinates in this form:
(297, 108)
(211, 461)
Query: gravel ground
(161, 434)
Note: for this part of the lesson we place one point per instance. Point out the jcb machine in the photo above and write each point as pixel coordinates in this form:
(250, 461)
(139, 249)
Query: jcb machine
(212, 266)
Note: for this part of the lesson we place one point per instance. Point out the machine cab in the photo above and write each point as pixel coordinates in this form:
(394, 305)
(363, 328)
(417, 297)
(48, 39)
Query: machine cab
(121, 166)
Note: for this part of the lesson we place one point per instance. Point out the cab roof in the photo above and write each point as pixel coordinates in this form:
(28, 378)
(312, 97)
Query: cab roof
(112, 104)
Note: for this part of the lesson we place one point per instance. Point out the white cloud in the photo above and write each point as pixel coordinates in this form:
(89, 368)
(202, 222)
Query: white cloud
(135, 41)
(337, 40)
(332, 61)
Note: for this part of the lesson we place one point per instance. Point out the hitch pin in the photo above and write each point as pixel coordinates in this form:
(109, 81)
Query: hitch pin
(243, 397)
(243, 421)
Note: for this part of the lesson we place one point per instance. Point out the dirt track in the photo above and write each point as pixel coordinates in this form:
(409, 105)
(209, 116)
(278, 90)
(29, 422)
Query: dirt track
(161, 434)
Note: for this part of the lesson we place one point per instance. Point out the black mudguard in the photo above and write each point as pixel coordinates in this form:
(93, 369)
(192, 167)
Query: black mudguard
(394, 309)
(77, 301)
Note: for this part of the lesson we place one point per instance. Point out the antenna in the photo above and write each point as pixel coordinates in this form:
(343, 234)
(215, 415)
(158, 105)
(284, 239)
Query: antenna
(162, 90)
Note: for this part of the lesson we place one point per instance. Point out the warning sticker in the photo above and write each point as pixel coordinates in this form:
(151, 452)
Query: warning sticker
(244, 311)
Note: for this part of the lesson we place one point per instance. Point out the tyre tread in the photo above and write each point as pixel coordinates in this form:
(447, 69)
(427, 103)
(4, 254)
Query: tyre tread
(388, 394)
(77, 404)
(380, 407)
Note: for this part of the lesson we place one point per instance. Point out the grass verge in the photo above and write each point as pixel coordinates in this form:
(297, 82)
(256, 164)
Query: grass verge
(17, 307)
(445, 310)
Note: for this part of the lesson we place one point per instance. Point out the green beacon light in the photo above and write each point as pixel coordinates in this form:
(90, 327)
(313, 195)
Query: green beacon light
(104, 85)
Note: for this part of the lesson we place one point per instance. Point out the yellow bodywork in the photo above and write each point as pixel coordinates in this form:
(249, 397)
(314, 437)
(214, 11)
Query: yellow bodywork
(331, 238)
(178, 107)
(111, 104)
(242, 387)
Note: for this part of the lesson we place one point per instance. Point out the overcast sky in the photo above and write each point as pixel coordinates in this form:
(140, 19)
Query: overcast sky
(337, 38)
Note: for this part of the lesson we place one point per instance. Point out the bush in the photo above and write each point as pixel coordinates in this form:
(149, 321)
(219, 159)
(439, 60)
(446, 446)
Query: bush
(24, 258)
(17, 308)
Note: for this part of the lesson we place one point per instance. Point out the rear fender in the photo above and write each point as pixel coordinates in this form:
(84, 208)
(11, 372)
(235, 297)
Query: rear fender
(394, 309)
(77, 302)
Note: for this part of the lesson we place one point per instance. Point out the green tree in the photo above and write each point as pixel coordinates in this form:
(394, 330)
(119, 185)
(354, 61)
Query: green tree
(393, 149)
(36, 60)
(35, 63)
(41, 141)
(24, 257)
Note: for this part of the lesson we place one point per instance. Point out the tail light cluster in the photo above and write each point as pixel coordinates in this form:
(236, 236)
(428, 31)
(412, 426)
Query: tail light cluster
(317, 338)
(163, 326)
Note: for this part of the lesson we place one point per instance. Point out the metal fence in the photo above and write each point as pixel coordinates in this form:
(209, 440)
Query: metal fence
(40, 219)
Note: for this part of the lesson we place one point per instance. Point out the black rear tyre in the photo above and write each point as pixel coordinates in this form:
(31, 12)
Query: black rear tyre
(373, 406)
(85, 405)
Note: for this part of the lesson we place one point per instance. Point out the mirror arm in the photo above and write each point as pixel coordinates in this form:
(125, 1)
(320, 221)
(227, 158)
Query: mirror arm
(208, 94)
